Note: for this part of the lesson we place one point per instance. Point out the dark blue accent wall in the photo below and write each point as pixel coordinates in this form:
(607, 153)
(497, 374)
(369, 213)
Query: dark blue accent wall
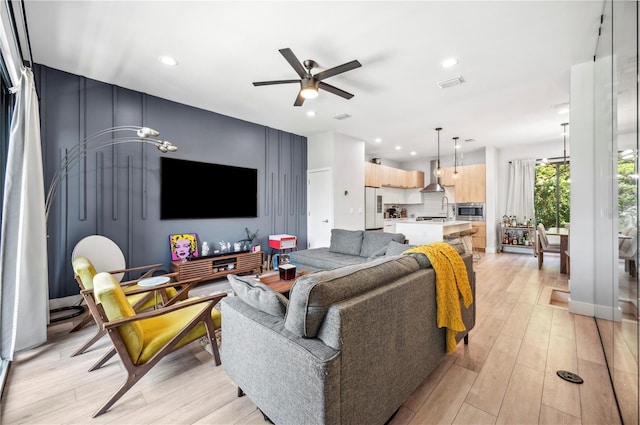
(115, 191)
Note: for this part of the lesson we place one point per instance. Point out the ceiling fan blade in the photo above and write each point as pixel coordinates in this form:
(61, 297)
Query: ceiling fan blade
(299, 100)
(334, 90)
(268, 83)
(337, 70)
(294, 62)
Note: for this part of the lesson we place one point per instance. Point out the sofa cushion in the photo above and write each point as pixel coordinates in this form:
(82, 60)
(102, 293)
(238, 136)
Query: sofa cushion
(314, 293)
(373, 241)
(258, 295)
(346, 241)
(379, 253)
(322, 259)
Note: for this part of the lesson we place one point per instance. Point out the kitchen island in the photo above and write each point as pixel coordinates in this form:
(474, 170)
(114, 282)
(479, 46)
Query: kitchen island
(424, 232)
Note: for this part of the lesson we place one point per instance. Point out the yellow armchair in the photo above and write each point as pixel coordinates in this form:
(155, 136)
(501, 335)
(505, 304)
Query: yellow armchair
(143, 339)
(138, 297)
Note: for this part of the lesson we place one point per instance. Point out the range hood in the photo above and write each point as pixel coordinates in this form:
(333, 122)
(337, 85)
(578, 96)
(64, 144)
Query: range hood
(434, 182)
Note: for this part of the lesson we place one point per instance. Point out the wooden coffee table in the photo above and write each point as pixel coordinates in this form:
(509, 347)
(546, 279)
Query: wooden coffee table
(273, 281)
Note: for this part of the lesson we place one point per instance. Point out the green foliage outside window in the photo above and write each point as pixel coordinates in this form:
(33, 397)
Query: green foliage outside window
(627, 193)
(552, 194)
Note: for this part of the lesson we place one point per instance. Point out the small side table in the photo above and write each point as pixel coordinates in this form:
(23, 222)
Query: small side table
(281, 243)
(152, 282)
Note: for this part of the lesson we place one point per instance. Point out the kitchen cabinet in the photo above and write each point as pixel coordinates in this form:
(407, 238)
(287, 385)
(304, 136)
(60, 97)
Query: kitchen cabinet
(384, 176)
(393, 177)
(480, 238)
(447, 176)
(389, 226)
(470, 184)
(414, 179)
(372, 174)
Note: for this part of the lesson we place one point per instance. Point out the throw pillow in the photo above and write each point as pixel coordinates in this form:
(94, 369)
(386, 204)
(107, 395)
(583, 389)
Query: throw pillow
(372, 241)
(346, 241)
(258, 295)
(395, 248)
(379, 253)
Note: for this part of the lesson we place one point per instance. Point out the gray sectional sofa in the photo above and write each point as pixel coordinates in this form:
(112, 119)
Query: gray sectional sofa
(349, 247)
(349, 346)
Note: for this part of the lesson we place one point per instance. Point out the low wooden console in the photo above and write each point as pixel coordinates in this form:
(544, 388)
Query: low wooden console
(218, 266)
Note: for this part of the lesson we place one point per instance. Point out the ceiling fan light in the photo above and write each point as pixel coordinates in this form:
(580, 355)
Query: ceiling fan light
(309, 92)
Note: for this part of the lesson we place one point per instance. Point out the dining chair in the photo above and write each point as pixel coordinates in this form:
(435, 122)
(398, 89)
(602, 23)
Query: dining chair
(544, 245)
(628, 249)
(142, 339)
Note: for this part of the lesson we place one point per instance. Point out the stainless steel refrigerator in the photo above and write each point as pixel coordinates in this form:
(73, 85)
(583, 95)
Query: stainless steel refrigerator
(373, 214)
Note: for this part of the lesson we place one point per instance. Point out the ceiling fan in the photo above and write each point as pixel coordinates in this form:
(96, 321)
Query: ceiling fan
(309, 84)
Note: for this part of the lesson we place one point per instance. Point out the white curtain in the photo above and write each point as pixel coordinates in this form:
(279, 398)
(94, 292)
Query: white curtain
(520, 189)
(24, 289)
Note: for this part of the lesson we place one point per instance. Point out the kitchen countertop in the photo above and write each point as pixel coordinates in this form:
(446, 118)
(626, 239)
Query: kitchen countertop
(425, 232)
(438, 223)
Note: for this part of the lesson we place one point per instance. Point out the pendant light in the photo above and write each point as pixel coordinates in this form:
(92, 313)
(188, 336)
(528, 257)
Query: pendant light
(455, 157)
(435, 186)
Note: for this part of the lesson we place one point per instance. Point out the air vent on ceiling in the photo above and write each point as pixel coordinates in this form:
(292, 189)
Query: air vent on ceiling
(451, 82)
(342, 116)
(469, 140)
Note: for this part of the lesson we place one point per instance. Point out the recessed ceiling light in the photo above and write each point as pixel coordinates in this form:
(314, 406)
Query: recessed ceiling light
(563, 111)
(413, 153)
(311, 113)
(457, 146)
(378, 140)
(168, 60)
(449, 62)
(398, 147)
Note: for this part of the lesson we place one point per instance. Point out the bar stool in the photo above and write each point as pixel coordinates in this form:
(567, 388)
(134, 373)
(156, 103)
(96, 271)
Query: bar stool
(452, 237)
(467, 238)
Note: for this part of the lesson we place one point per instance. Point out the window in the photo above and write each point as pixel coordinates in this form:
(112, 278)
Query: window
(552, 194)
(6, 109)
(627, 190)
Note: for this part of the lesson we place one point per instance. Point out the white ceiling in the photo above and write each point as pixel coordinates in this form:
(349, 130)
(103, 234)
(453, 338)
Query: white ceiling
(515, 58)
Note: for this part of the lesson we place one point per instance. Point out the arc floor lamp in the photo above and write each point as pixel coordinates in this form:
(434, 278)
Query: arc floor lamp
(93, 143)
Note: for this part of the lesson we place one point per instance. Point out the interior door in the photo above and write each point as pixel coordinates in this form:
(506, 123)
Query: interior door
(320, 207)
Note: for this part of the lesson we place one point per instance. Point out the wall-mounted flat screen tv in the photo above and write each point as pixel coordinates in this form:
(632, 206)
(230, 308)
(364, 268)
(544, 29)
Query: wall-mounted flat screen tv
(192, 189)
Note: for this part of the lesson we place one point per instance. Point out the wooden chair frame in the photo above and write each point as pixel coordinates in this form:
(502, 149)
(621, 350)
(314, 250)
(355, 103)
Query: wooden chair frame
(150, 269)
(87, 296)
(135, 371)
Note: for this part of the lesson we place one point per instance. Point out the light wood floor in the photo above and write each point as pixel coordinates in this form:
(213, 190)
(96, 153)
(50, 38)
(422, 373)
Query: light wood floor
(506, 375)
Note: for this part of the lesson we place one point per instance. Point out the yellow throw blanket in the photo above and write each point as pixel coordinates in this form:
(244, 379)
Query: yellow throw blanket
(451, 283)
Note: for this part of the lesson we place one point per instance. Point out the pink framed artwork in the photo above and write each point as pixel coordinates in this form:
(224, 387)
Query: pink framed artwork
(184, 246)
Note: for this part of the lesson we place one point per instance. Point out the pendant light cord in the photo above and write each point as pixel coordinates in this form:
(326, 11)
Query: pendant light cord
(438, 130)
